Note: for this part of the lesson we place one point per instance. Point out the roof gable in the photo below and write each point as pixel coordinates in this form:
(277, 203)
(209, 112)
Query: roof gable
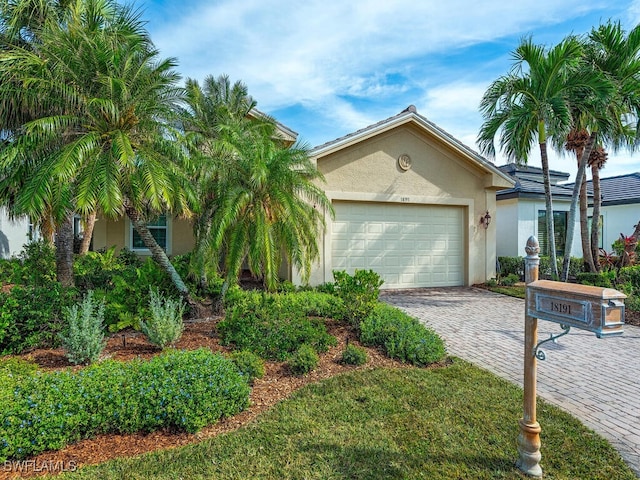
(411, 116)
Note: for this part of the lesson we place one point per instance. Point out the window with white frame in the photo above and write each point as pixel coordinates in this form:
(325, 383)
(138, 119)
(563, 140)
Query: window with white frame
(158, 228)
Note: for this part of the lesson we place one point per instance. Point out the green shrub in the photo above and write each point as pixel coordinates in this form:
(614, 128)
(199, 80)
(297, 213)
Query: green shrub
(353, 355)
(165, 325)
(401, 336)
(630, 275)
(248, 363)
(17, 366)
(38, 259)
(84, 336)
(184, 390)
(492, 282)
(632, 303)
(304, 360)
(602, 279)
(359, 293)
(511, 266)
(32, 316)
(273, 325)
(510, 280)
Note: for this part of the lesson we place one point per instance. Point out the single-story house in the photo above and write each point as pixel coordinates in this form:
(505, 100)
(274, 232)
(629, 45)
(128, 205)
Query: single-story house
(620, 208)
(521, 212)
(411, 203)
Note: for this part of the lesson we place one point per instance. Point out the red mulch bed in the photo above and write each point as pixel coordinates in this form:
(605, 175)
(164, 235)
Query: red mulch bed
(277, 384)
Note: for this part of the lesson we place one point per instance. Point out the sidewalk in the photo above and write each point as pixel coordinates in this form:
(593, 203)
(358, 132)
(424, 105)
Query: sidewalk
(596, 380)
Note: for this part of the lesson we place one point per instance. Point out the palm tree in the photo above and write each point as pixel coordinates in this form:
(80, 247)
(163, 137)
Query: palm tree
(528, 105)
(113, 146)
(617, 55)
(259, 197)
(217, 102)
(267, 205)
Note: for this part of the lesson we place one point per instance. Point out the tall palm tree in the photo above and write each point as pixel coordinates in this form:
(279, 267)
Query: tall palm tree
(267, 204)
(259, 197)
(528, 105)
(207, 108)
(113, 146)
(617, 54)
(576, 142)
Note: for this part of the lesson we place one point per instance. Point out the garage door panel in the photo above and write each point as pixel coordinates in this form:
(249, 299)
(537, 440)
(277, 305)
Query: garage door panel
(408, 245)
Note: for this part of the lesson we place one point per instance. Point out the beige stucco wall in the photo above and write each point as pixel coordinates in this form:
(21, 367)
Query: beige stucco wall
(108, 233)
(369, 171)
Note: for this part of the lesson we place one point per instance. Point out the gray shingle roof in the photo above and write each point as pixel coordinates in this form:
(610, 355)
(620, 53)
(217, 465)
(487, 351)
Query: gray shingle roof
(525, 188)
(619, 190)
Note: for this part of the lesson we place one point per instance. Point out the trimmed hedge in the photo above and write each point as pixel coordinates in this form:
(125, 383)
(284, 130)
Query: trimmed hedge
(275, 325)
(401, 336)
(184, 390)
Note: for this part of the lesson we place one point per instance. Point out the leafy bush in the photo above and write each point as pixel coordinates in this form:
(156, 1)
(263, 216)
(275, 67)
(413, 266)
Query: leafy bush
(31, 316)
(630, 275)
(402, 337)
(510, 280)
(249, 364)
(273, 325)
(304, 360)
(178, 390)
(84, 338)
(511, 266)
(492, 282)
(359, 292)
(165, 326)
(17, 366)
(123, 281)
(353, 355)
(38, 261)
(602, 279)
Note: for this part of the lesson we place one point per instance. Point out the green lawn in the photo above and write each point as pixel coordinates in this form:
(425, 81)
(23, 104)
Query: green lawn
(514, 291)
(458, 422)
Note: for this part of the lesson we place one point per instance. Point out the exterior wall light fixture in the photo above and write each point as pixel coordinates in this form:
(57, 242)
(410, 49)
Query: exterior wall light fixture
(485, 220)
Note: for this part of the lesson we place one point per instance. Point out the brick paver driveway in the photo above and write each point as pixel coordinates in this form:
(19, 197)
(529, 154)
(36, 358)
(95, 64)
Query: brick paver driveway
(596, 380)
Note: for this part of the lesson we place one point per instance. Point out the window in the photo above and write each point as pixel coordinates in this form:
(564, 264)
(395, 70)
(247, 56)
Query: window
(559, 230)
(159, 230)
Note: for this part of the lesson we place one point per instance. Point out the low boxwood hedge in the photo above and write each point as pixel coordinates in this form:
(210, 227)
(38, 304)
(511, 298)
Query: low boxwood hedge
(184, 390)
(401, 336)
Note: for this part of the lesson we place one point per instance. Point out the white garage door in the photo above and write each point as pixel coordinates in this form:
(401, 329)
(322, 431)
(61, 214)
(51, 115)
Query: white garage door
(408, 245)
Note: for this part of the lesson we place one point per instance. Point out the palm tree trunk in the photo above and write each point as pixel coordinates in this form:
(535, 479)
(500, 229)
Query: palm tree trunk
(157, 253)
(551, 240)
(88, 224)
(571, 222)
(595, 219)
(64, 252)
(587, 254)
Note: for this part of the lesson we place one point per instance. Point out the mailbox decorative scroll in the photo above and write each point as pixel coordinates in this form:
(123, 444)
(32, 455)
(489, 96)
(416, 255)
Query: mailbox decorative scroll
(595, 309)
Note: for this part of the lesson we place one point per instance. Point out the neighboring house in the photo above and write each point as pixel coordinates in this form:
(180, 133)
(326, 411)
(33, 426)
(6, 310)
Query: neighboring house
(408, 199)
(521, 212)
(14, 234)
(620, 210)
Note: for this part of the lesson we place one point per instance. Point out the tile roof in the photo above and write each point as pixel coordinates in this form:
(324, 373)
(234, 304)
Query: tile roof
(619, 190)
(526, 188)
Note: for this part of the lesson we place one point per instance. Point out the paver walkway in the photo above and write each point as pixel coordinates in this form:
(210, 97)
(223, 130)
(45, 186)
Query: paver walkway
(596, 380)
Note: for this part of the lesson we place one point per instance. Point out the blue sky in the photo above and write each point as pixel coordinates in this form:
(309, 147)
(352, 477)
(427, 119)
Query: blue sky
(327, 68)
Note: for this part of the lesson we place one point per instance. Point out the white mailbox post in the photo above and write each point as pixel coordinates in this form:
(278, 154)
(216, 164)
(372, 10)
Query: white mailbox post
(595, 309)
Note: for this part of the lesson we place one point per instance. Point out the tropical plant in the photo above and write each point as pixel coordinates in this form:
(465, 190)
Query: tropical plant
(609, 112)
(531, 103)
(260, 196)
(115, 115)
